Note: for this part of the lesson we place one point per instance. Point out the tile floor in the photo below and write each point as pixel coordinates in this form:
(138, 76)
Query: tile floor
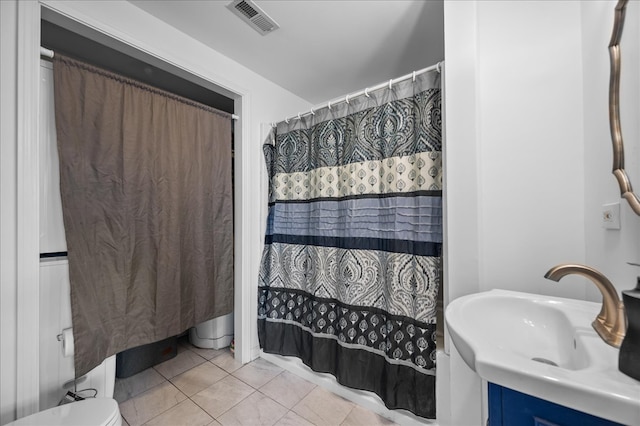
(208, 387)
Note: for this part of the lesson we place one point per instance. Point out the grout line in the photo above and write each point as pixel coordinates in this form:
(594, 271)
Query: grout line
(202, 408)
(271, 380)
(151, 388)
(254, 390)
(271, 399)
(225, 411)
(173, 406)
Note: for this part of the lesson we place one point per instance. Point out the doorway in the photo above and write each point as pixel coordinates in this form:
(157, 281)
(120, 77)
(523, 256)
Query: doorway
(64, 35)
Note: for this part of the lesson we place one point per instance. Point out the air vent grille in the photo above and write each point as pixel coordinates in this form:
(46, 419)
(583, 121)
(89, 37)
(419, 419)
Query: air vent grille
(253, 15)
(263, 23)
(246, 9)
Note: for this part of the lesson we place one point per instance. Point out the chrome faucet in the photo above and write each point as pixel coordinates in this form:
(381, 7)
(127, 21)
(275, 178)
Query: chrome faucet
(611, 322)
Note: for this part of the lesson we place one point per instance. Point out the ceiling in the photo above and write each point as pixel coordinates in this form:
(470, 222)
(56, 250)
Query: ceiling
(324, 48)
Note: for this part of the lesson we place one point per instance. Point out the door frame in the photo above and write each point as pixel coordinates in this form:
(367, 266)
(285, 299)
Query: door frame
(30, 14)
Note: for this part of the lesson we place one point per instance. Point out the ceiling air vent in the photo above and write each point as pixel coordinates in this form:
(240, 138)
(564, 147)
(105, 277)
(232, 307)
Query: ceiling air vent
(250, 13)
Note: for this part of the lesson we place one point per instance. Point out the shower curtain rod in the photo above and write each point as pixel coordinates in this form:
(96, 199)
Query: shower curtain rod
(48, 53)
(437, 66)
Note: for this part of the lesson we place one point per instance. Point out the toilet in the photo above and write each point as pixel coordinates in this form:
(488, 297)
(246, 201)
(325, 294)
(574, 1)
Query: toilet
(215, 333)
(88, 412)
(100, 411)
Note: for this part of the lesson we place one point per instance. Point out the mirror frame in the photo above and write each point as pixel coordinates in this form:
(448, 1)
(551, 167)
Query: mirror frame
(626, 191)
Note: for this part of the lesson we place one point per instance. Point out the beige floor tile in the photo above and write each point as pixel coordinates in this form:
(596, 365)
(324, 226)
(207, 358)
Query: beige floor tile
(321, 407)
(182, 362)
(222, 395)
(227, 362)
(198, 378)
(208, 353)
(258, 372)
(287, 389)
(151, 403)
(360, 416)
(134, 385)
(186, 413)
(257, 409)
(292, 419)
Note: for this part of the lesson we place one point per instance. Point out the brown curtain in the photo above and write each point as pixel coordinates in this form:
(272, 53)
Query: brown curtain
(145, 179)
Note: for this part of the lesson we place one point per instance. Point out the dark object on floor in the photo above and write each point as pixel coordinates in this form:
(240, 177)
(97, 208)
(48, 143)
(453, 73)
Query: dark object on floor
(140, 358)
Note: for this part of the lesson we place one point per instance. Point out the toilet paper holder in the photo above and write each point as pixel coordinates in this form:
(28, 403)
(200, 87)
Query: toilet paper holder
(66, 337)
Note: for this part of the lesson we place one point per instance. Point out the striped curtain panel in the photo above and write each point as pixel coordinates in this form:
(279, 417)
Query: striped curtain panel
(350, 271)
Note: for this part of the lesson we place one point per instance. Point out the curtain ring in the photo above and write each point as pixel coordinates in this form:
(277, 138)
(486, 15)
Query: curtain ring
(366, 92)
(312, 112)
(390, 83)
(346, 99)
(286, 120)
(329, 105)
(299, 118)
(414, 76)
(438, 67)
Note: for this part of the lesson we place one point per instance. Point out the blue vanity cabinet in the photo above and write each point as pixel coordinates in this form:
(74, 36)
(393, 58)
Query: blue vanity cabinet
(511, 408)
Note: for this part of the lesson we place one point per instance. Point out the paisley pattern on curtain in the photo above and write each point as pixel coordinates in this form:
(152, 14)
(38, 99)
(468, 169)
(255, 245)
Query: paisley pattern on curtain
(350, 270)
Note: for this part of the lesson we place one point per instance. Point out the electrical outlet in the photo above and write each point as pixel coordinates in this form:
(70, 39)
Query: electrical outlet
(611, 216)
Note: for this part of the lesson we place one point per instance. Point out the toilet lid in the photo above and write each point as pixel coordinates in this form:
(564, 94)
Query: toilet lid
(88, 412)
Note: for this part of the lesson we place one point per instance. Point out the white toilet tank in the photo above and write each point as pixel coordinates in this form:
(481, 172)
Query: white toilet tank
(216, 333)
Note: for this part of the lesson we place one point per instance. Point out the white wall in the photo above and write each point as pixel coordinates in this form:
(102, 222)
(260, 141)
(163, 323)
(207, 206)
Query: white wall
(531, 151)
(461, 202)
(262, 102)
(515, 152)
(528, 147)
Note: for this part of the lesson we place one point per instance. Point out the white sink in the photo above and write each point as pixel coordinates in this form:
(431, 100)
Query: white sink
(543, 346)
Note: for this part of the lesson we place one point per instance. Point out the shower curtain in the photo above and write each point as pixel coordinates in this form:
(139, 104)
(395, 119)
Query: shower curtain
(145, 179)
(350, 269)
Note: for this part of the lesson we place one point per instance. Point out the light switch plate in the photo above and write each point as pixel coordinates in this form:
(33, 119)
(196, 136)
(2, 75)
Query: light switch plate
(611, 216)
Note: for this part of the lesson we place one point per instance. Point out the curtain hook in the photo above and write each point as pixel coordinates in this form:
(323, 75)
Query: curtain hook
(329, 105)
(299, 118)
(366, 92)
(286, 120)
(438, 67)
(414, 76)
(390, 83)
(312, 112)
(346, 99)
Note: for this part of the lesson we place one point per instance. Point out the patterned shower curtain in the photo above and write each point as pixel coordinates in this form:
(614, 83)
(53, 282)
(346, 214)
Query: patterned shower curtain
(350, 271)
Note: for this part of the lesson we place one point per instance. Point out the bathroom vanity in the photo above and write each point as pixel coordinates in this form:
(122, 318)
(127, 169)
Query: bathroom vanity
(544, 362)
(511, 408)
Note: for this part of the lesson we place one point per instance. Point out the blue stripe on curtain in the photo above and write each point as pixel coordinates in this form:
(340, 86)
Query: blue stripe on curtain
(405, 218)
(350, 271)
